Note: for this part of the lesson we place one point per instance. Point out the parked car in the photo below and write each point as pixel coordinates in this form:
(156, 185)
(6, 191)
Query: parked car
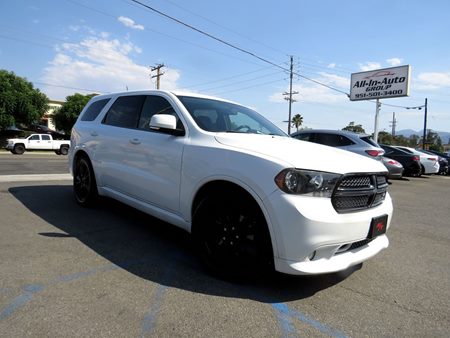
(252, 197)
(429, 163)
(40, 129)
(37, 142)
(358, 143)
(443, 162)
(410, 162)
(394, 167)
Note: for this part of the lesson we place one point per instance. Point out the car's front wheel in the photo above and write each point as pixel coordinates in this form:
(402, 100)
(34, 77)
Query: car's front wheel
(18, 149)
(232, 236)
(84, 184)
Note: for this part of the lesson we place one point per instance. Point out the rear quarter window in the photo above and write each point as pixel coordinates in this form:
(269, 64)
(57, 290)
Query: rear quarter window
(368, 140)
(94, 109)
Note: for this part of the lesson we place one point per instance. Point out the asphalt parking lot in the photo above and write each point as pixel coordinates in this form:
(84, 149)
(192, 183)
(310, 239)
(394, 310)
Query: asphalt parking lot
(112, 271)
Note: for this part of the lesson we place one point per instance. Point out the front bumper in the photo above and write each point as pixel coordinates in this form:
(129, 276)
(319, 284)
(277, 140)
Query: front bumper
(312, 238)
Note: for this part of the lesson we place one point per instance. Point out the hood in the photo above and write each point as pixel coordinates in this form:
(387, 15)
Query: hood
(301, 154)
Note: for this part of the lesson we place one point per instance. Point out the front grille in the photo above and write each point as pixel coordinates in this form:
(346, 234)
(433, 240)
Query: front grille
(359, 191)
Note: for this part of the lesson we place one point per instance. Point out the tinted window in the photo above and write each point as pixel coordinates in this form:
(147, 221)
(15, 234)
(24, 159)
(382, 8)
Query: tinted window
(406, 150)
(125, 112)
(304, 136)
(333, 140)
(154, 105)
(94, 109)
(34, 138)
(368, 140)
(45, 138)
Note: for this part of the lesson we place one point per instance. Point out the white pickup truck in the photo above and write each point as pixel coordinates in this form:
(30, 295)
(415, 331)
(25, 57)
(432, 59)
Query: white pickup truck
(38, 142)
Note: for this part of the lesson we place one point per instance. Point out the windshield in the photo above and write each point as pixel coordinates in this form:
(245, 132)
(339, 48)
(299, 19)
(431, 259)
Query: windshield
(218, 116)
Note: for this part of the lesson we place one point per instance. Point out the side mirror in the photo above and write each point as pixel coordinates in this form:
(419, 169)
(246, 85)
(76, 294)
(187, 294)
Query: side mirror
(166, 124)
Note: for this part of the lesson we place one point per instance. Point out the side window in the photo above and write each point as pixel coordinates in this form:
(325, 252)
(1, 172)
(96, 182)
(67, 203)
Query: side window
(34, 138)
(333, 140)
(303, 137)
(45, 137)
(94, 109)
(125, 112)
(154, 105)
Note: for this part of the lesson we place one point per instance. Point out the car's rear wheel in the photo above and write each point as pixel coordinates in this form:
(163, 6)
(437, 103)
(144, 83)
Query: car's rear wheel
(18, 149)
(84, 184)
(232, 236)
(64, 150)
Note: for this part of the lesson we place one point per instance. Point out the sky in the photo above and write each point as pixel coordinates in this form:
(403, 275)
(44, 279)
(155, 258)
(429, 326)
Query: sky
(69, 46)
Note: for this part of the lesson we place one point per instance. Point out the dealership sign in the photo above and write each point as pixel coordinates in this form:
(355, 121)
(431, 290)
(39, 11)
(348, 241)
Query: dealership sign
(380, 83)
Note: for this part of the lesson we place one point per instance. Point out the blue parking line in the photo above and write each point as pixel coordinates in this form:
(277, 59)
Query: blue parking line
(21, 300)
(29, 290)
(284, 311)
(149, 320)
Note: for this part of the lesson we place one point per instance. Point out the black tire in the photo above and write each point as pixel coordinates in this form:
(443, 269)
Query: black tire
(84, 184)
(58, 152)
(19, 149)
(64, 150)
(232, 237)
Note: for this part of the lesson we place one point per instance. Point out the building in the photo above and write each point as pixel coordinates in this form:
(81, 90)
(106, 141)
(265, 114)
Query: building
(47, 119)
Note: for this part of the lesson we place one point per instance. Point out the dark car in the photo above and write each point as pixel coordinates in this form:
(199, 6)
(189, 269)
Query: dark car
(442, 158)
(410, 162)
(37, 128)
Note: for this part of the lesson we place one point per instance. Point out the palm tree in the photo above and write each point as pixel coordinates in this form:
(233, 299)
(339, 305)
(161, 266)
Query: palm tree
(297, 121)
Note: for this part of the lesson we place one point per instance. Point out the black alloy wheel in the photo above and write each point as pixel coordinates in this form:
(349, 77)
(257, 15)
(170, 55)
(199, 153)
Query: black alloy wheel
(84, 185)
(233, 238)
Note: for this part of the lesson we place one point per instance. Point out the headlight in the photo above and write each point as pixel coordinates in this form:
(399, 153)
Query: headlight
(307, 182)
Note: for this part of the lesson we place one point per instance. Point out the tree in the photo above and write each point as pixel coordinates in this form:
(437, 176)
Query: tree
(433, 141)
(20, 102)
(297, 121)
(66, 116)
(385, 138)
(356, 128)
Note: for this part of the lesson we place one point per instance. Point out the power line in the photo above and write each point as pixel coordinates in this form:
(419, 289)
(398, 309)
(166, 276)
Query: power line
(242, 81)
(67, 87)
(207, 34)
(226, 28)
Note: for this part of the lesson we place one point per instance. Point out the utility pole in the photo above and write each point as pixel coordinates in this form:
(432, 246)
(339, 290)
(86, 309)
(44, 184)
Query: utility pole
(289, 95)
(377, 114)
(425, 125)
(393, 124)
(158, 74)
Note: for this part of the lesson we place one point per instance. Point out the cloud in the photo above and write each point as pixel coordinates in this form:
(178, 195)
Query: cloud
(331, 65)
(101, 65)
(370, 65)
(394, 61)
(432, 80)
(130, 23)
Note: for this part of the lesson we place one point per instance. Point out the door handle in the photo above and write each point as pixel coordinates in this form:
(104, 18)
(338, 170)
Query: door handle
(94, 133)
(135, 141)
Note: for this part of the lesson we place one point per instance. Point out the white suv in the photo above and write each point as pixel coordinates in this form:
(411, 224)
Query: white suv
(252, 197)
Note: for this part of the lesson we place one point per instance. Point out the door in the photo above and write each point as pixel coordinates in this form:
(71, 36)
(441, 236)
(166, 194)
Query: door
(34, 142)
(140, 162)
(46, 142)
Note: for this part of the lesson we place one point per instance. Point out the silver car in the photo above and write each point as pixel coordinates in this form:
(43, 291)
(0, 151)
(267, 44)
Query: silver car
(358, 143)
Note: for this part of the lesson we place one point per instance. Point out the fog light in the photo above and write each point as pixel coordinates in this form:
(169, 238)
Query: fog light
(312, 255)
